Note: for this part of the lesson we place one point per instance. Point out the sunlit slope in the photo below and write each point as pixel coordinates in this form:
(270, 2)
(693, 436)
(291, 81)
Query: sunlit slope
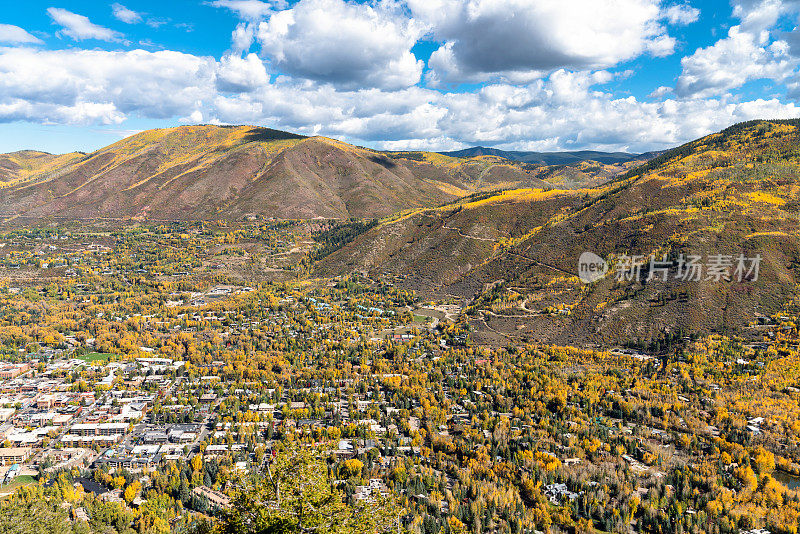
(479, 173)
(26, 166)
(731, 193)
(212, 172)
(170, 173)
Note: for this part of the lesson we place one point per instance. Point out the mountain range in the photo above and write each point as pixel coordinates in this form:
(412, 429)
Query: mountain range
(514, 255)
(502, 236)
(552, 158)
(215, 172)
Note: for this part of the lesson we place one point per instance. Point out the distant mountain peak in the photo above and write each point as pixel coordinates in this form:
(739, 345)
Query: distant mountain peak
(545, 158)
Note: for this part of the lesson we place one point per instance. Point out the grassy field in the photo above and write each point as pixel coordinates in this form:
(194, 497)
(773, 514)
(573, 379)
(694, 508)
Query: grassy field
(94, 357)
(21, 480)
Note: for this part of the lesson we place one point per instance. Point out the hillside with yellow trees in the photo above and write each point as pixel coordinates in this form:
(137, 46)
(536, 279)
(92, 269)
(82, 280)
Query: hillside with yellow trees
(702, 238)
(242, 395)
(193, 173)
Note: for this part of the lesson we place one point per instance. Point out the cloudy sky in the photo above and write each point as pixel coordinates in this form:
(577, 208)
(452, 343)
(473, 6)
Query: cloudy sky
(629, 75)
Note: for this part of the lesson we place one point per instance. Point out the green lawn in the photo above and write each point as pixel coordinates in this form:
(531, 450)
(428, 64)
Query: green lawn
(94, 357)
(21, 480)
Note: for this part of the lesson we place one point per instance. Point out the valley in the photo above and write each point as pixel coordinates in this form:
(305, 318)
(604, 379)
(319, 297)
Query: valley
(440, 352)
(400, 267)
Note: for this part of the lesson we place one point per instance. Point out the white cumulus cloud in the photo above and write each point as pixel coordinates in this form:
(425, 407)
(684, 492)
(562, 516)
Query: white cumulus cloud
(681, 14)
(235, 74)
(347, 44)
(484, 38)
(750, 51)
(78, 85)
(345, 69)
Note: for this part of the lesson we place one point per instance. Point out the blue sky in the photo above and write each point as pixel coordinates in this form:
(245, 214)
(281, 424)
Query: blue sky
(398, 74)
